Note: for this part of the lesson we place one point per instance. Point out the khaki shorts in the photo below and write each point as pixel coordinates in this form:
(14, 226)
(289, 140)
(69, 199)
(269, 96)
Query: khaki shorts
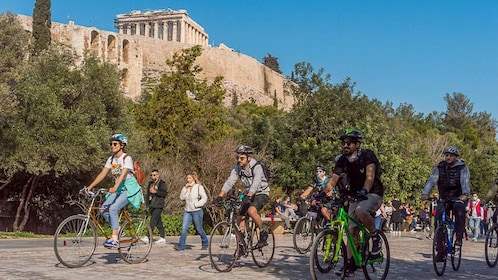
(370, 205)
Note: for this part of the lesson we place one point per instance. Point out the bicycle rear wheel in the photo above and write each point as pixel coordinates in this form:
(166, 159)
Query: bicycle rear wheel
(303, 235)
(223, 246)
(262, 256)
(456, 253)
(491, 247)
(323, 262)
(133, 247)
(440, 238)
(376, 267)
(75, 240)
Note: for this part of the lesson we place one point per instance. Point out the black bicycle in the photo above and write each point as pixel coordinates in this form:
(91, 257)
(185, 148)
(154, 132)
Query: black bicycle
(491, 246)
(228, 242)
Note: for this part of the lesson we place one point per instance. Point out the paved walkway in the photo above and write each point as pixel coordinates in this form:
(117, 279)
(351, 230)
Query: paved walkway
(411, 259)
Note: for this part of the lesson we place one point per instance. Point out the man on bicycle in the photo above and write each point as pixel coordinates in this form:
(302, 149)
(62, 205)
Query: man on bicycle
(256, 189)
(363, 171)
(452, 177)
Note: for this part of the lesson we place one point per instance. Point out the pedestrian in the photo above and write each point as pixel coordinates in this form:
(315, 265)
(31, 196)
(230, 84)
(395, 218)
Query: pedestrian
(397, 216)
(476, 215)
(125, 190)
(156, 193)
(195, 197)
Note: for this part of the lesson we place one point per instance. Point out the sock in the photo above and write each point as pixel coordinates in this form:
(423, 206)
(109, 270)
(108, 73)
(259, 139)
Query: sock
(114, 237)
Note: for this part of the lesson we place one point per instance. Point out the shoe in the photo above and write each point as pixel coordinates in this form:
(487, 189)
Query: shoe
(160, 241)
(263, 236)
(440, 257)
(178, 248)
(204, 248)
(349, 271)
(474, 239)
(458, 242)
(111, 243)
(145, 239)
(376, 246)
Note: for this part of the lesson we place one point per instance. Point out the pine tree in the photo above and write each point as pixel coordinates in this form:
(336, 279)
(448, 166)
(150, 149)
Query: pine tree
(41, 25)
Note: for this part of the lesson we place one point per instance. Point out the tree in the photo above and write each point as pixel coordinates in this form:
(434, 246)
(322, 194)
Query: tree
(41, 25)
(272, 63)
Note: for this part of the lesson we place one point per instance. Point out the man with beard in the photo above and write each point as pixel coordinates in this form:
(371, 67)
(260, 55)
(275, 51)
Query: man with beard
(365, 187)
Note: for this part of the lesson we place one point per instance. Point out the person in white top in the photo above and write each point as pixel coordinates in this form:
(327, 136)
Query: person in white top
(195, 197)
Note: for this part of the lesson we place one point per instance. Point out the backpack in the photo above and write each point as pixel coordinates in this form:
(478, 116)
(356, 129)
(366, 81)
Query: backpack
(266, 170)
(138, 172)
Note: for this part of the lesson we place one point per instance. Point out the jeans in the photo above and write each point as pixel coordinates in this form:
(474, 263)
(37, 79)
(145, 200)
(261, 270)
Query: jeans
(378, 222)
(197, 217)
(115, 203)
(474, 225)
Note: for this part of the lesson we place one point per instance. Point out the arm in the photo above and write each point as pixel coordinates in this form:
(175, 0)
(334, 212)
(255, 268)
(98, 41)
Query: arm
(431, 182)
(331, 184)
(370, 175)
(99, 178)
(465, 182)
(184, 192)
(229, 183)
(202, 193)
(161, 191)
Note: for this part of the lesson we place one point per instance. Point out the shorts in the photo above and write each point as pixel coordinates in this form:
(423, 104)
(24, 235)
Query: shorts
(370, 205)
(257, 201)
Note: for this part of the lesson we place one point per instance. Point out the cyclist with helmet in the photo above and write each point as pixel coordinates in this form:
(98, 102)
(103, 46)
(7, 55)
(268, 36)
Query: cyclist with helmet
(256, 189)
(317, 196)
(125, 190)
(452, 177)
(363, 171)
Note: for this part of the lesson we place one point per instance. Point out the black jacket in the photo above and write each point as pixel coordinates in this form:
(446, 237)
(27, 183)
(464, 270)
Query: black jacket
(156, 200)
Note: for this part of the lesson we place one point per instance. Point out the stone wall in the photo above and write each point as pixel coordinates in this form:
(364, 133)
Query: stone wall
(141, 58)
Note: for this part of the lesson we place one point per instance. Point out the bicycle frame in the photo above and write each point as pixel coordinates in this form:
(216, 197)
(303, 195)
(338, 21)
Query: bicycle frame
(449, 223)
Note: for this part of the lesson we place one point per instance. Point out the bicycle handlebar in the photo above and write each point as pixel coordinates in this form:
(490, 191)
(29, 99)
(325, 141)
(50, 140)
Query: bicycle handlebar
(91, 194)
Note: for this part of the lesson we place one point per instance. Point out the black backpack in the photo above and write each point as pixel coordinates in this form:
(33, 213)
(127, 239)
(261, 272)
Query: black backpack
(266, 170)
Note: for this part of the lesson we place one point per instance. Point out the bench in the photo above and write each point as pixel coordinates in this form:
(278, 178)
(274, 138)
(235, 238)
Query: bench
(278, 226)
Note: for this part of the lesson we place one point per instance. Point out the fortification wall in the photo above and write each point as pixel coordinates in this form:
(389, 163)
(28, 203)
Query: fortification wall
(143, 58)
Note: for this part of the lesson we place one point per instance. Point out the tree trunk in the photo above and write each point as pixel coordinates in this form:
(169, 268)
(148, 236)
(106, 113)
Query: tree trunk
(27, 192)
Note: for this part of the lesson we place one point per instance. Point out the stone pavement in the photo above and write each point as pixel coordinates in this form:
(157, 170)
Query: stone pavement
(411, 259)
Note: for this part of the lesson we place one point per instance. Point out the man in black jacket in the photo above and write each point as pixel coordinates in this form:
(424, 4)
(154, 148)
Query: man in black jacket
(156, 193)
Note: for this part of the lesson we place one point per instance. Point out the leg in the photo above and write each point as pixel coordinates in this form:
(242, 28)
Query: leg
(459, 212)
(119, 203)
(156, 222)
(186, 221)
(198, 217)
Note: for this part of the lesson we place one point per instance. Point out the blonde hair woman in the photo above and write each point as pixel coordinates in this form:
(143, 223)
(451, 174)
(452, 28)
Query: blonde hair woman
(195, 197)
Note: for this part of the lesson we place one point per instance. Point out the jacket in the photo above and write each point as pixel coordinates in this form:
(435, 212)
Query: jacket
(156, 200)
(195, 197)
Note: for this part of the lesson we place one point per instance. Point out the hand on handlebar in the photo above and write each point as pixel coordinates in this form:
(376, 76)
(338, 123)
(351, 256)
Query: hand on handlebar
(87, 192)
(217, 201)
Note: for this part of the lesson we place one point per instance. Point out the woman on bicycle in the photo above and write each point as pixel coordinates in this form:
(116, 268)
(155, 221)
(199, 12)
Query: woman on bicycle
(125, 190)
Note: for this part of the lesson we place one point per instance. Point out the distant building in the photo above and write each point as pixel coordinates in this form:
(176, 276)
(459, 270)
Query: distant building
(169, 25)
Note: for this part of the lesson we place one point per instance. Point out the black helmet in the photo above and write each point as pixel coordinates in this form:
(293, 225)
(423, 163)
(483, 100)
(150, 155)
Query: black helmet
(321, 167)
(352, 133)
(244, 150)
(452, 150)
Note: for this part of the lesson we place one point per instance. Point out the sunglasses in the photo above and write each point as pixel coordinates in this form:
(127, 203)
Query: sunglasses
(347, 143)
(152, 175)
(114, 144)
(240, 158)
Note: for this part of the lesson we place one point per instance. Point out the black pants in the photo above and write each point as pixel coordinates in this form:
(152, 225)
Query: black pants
(155, 220)
(458, 209)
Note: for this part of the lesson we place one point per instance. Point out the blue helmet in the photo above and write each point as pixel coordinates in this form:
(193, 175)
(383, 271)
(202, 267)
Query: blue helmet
(452, 150)
(119, 137)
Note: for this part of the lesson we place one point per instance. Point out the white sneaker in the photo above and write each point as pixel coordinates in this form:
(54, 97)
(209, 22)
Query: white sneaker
(145, 239)
(160, 241)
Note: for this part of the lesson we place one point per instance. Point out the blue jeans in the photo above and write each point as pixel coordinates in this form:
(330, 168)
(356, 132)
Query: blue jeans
(197, 217)
(115, 203)
(474, 225)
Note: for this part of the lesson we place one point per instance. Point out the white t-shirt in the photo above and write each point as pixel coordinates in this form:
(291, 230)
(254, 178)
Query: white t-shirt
(116, 165)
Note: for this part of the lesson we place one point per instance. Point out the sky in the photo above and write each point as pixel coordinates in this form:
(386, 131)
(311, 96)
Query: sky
(404, 52)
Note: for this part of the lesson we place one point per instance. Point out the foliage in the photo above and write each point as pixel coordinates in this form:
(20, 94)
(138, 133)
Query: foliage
(42, 23)
(272, 63)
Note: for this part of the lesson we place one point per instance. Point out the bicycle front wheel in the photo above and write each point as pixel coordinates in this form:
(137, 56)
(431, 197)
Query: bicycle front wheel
(75, 240)
(439, 247)
(223, 246)
(303, 235)
(327, 260)
(135, 240)
(456, 253)
(376, 266)
(491, 247)
(262, 256)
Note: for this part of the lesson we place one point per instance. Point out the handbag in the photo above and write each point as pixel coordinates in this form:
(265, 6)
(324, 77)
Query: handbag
(199, 195)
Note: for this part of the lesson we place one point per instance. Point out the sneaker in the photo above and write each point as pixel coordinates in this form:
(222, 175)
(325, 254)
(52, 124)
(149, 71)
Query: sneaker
(178, 248)
(145, 239)
(111, 243)
(376, 246)
(349, 272)
(474, 239)
(458, 242)
(160, 241)
(263, 236)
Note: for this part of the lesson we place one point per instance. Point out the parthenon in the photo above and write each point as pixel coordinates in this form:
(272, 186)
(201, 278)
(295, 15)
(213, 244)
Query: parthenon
(168, 25)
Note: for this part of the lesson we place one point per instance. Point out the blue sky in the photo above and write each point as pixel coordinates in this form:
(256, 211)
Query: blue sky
(399, 51)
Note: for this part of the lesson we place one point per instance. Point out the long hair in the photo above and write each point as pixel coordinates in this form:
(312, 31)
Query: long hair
(195, 177)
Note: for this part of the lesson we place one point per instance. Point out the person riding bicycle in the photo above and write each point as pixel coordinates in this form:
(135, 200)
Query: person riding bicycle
(452, 177)
(125, 190)
(365, 188)
(256, 189)
(316, 190)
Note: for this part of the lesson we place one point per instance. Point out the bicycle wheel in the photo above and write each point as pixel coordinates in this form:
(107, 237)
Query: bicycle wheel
(75, 241)
(223, 246)
(303, 235)
(440, 238)
(262, 256)
(491, 247)
(376, 267)
(324, 263)
(133, 247)
(456, 253)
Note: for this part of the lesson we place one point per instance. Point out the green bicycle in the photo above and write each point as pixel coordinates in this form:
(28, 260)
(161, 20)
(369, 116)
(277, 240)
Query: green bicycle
(328, 253)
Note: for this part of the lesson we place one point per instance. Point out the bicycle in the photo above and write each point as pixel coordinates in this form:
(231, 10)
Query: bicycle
(228, 242)
(444, 239)
(305, 231)
(75, 239)
(491, 243)
(329, 250)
